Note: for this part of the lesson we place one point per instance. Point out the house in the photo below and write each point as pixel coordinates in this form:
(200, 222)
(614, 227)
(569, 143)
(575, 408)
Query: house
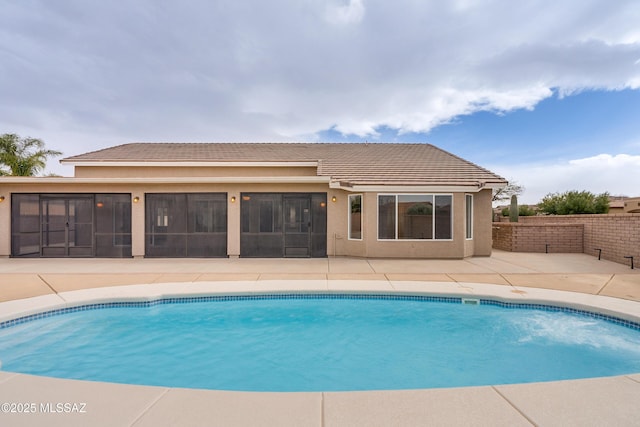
(616, 204)
(622, 204)
(632, 205)
(253, 200)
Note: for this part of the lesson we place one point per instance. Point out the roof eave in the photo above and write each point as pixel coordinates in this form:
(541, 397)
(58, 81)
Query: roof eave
(417, 187)
(314, 179)
(184, 163)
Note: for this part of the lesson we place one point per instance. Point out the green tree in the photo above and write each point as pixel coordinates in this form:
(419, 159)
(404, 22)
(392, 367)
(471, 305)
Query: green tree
(23, 156)
(574, 202)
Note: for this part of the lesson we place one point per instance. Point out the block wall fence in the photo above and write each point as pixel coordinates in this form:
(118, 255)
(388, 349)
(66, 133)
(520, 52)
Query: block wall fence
(617, 235)
(565, 238)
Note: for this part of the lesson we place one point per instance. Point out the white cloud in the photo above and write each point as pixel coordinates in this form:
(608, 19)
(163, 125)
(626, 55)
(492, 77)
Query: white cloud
(256, 70)
(350, 13)
(605, 162)
(616, 174)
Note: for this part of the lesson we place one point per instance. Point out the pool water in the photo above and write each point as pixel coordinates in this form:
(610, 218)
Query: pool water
(320, 344)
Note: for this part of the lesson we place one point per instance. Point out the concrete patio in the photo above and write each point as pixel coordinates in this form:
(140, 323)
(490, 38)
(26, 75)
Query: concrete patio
(600, 401)
(24, 278)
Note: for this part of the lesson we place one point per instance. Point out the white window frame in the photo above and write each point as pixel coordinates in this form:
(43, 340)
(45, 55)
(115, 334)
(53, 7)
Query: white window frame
(349, 217)
(433, 223)
(468, 216)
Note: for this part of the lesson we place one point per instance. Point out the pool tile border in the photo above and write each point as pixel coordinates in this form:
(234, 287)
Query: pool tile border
(315, 295)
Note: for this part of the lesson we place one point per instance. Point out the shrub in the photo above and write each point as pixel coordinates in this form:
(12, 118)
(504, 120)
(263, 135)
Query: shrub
(525, 210)
(574, 202)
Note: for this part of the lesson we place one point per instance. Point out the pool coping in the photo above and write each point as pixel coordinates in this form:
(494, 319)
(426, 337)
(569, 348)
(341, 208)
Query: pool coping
(615, 398)
(609, 306)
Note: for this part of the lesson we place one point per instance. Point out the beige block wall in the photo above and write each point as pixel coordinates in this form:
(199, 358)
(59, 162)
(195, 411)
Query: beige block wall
(554, 238)
(618, 235)
(338, 242)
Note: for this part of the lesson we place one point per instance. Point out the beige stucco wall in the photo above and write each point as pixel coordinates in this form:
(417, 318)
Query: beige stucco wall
(5, 223)
(482, 220)
(469, 244)
(337, 217)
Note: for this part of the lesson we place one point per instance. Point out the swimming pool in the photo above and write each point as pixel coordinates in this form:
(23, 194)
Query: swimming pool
(319, 342)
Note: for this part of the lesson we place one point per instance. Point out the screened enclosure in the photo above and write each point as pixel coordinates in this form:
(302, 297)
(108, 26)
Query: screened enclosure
(283, 225)
(186, 225)
(71, 225)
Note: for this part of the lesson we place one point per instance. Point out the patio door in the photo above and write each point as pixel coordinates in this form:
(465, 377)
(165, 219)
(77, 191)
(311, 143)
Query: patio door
(297, 226)
(66, 226)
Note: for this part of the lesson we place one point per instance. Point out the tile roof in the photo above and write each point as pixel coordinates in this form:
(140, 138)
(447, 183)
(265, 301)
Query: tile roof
(349, 163)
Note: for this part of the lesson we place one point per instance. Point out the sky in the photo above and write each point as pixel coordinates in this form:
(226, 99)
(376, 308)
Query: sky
(546, 94)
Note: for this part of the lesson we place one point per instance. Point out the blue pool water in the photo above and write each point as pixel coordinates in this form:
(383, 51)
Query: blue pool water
(320, 344)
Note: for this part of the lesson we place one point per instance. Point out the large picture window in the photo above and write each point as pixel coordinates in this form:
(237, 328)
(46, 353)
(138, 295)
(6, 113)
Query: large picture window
(415, 217)
(355, 217)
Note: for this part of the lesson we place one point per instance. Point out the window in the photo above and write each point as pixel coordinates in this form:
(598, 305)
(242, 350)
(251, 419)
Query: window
(113, 225)
(206, 214)
(162, 219)
(443, 217)
(386, 217)
(355, 217)
(469, 216)
(267, 221)
(261, 213)
(415, 217)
